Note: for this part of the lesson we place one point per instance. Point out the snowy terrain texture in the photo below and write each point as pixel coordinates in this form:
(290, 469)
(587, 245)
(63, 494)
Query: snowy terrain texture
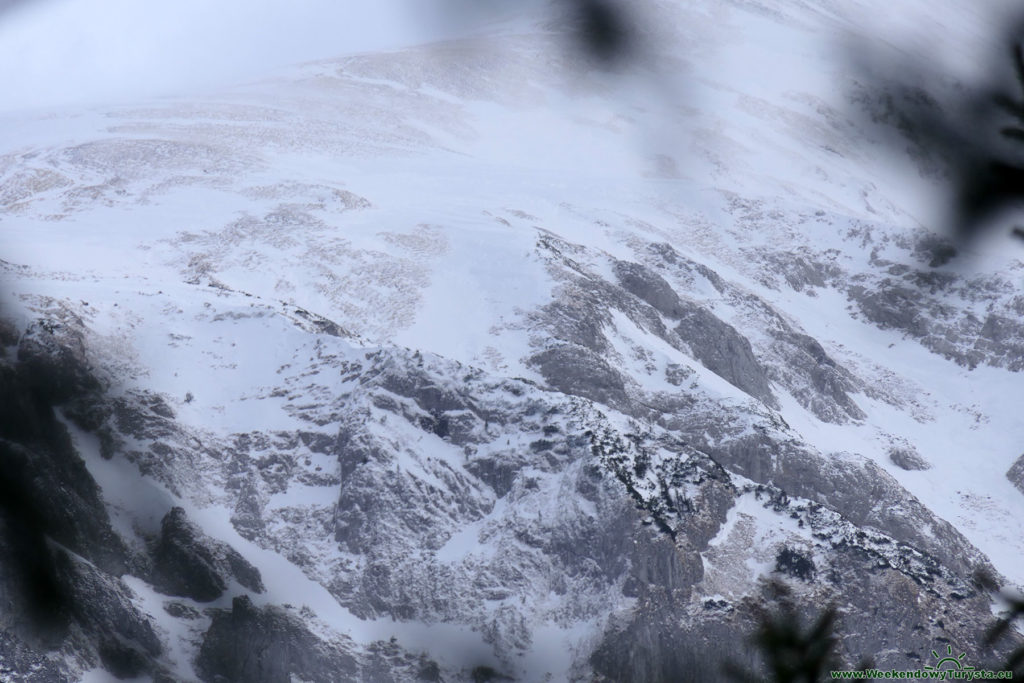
(475, 361)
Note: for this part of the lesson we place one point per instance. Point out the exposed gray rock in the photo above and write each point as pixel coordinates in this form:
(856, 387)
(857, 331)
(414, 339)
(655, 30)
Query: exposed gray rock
(724, 351)
(814, 378)
(1016, 474)
(9, 333)
(793, 359)
(913, 306)
(907, 458)
(47, 490)
(180, 610)
(147, 417)
(895, 306)
(268, 645)
(580, 316)
(578, 371)
(188, 563)
(683, 499)
(653, 644)
(650, 287)
(374, 498)
(801, 268)
(663, 255)
(642, 506)
(577, 321)
(388, 662)
(581, 310)
(795, 564)
(247, 516)
(860, 491)
(67, 596)
(123, 637)
(934, 250)
(52, 356)
(21, 662)
(1002, 340)
(46, 493)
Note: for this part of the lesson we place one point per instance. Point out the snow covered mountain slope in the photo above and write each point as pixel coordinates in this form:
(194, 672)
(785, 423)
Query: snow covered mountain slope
(469, 360)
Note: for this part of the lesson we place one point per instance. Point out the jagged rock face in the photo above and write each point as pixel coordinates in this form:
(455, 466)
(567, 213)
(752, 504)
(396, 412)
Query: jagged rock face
(584, 505)
(725, 352)
(265, 645)
(188, 563)
(442, 494)
(59, 580)
(103, 606)
(579, 371)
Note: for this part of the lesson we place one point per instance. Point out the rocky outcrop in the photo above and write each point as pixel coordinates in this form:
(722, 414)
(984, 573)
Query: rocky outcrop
(103, 606)
(650, 287)
(578, 371)
(60, 579)
(442, 494)
(725, 352)
(907, 458)
(788, 357)
(921, 305)
(815, 379)
(1016, 474)
(268, 645)
(188, 563)
(29, 664)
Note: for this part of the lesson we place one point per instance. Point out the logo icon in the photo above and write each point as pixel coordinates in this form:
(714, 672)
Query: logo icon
(949, 659)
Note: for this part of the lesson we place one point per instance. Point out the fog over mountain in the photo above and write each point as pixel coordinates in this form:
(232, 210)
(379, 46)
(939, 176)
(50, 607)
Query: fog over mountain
(469, 342)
